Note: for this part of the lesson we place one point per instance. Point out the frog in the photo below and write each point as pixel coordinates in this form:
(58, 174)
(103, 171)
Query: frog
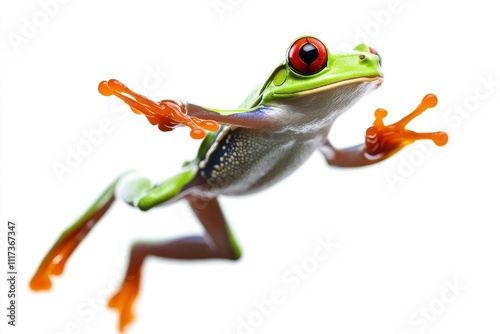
(275, 130)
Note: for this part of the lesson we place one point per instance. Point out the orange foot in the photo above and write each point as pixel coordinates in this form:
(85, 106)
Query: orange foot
(123, 301)
(388, 139)
(167, 114)
(54, 261)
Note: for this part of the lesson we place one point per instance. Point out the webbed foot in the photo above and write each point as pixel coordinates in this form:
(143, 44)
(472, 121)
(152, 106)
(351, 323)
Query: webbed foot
(388, 139)
(53, 264)
(55, 260)
(166, 114)
(123, 301)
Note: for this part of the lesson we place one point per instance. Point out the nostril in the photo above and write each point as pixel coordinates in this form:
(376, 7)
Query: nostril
(362, 57)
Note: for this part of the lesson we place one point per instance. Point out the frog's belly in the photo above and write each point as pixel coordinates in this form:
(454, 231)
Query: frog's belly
(243, 161)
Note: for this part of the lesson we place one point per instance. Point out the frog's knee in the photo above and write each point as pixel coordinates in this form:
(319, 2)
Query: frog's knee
(236, 251)
(146, 203)
(131, 187)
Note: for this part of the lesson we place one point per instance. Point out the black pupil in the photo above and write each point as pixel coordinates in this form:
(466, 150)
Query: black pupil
(308, 53)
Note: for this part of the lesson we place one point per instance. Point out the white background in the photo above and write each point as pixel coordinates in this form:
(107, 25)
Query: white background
(398, 245)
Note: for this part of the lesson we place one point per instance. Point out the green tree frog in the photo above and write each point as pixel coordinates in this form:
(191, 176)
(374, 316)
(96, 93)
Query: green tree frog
(274, 131)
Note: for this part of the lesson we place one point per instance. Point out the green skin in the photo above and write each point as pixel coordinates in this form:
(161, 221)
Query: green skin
(282, 122)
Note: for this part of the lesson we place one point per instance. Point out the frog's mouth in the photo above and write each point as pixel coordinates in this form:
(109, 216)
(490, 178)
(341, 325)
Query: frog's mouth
(371, 80)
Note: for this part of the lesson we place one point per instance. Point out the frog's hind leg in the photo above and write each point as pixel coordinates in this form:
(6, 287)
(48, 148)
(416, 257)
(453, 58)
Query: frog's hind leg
(128, 187)
(217, 243)
(55, 260)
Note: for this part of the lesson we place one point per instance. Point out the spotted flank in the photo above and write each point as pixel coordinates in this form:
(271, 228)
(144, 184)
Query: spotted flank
(230, 155)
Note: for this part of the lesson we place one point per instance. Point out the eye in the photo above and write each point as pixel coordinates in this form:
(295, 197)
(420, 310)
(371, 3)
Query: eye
(374, 52)
(307, 55)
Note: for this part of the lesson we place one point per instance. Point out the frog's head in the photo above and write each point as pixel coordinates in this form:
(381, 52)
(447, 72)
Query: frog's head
(313, 78)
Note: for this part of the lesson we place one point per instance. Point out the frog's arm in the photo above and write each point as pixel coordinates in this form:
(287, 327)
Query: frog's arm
(254, 118)
(354, 156)
(169, 114)
(382, 140)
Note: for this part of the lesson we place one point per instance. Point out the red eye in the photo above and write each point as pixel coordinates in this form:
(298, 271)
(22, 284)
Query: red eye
(374, 52)
(307, 55)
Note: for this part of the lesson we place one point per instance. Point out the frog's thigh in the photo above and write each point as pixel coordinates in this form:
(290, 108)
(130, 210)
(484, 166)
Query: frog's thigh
(139, 191)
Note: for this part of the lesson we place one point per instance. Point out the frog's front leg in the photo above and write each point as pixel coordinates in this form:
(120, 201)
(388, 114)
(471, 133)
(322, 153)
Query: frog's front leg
(217, 243)
(382, 141)
(169, 114)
